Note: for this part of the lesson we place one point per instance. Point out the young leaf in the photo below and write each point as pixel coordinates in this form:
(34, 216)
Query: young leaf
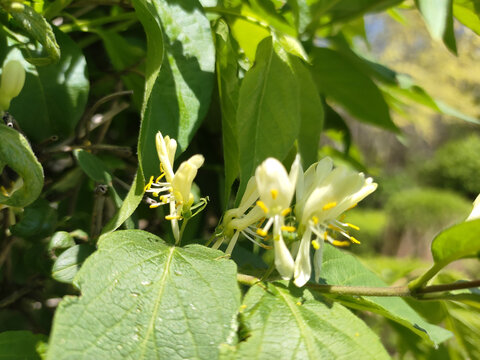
(181, 94)
(340, 268)
(142, 298)
(339, 78)
(20, 345)
(69, 262)
(54, 96)
(291, 323)
(17, 154)
(268, 116)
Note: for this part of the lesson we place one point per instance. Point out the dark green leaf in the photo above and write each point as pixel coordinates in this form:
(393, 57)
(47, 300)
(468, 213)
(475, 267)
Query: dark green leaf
(339, 78)
(16, 153)
(20, 345)
(40, 30)
(228, 88)
(93, 166)
(311, 113)
(54, 96)
(69, 262)
(340, 268)
(268, 117)
(292, 323)
(181, 94)
(142, 298)
(39, 220)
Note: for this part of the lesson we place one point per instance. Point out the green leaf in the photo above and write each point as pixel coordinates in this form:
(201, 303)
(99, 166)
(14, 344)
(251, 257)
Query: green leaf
(340, 268)
(144, 299)
(181, 94)
(130, 203)
(20, 345)
(228, 89)
(69, 262)
(291, 323)
(467, 12)
(457, 242)
(16, 153)
(311, 114)
(61, 240)
(40, 30)
(268, 116)
(38, 220)
(54, 96)
(439, 19)
(465, 324)
(341, 79)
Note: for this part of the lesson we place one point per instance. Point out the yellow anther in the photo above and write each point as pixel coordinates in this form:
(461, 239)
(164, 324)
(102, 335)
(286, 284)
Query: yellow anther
(329, 206)
(299, 303)
(355, 241)
(315, 244)
(173, 217)
(315, 219)
(149, 184)
(261, 232)
(163, 199)
(286, 211)
(274, 193)
(325, 236)
(288, 228)
(153, 206)
(354, 227)
(155, 194)
(160, 177)
(265, 246)
(262, 206)
(333, 227)
(341, 243)
(243, 307)
(276, 237)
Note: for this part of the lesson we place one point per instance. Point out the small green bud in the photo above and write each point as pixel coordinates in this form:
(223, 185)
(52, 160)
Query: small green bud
(13, 79)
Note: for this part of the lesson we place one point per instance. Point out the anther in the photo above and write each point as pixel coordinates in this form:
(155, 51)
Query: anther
(315, 219)
(315, 244)
(173, 217)
(355, 241)
(262, 206)
(354, 227)
(261, 232)
(288, 228)
(286, 211)
(329, 206)
(153, 206)
(274, 193)
(340, 243)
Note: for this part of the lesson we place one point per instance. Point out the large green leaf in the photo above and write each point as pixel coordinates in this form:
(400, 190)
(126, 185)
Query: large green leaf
(467, 12)
(458, 242)
(340, 268)
(21, 345)
(341, 79)
(311, 114)
(439, 19)
(181, 94)
(16, 153)
(144, 299)
(54, 96)
(293, 323)
(268, 116)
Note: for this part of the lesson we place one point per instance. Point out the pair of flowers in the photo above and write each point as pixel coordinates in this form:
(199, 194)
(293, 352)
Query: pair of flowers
(322, 194)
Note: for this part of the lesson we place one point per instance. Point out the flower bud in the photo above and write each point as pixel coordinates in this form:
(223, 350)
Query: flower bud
(13, 79)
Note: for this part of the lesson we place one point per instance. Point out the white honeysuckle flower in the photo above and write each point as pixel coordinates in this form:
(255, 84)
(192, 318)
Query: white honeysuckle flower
(475, 214)
(12, 81)
(175, 189)
(325, 196)
(276, 189)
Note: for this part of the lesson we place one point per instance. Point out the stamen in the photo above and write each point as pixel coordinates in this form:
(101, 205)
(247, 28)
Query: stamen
(325, 236)
(153, 206)
(329, 206)
(288, 228)
(335, 228)
(355, 241)
(155, 194)
(315, 219)
(354, 227)
(149, 184)
(286, 211)
(173, 217)
(274, 193)
(262, 206)
(315, 244)
(261, 232)
(160, 177)
(340, 243)
(4, 191)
